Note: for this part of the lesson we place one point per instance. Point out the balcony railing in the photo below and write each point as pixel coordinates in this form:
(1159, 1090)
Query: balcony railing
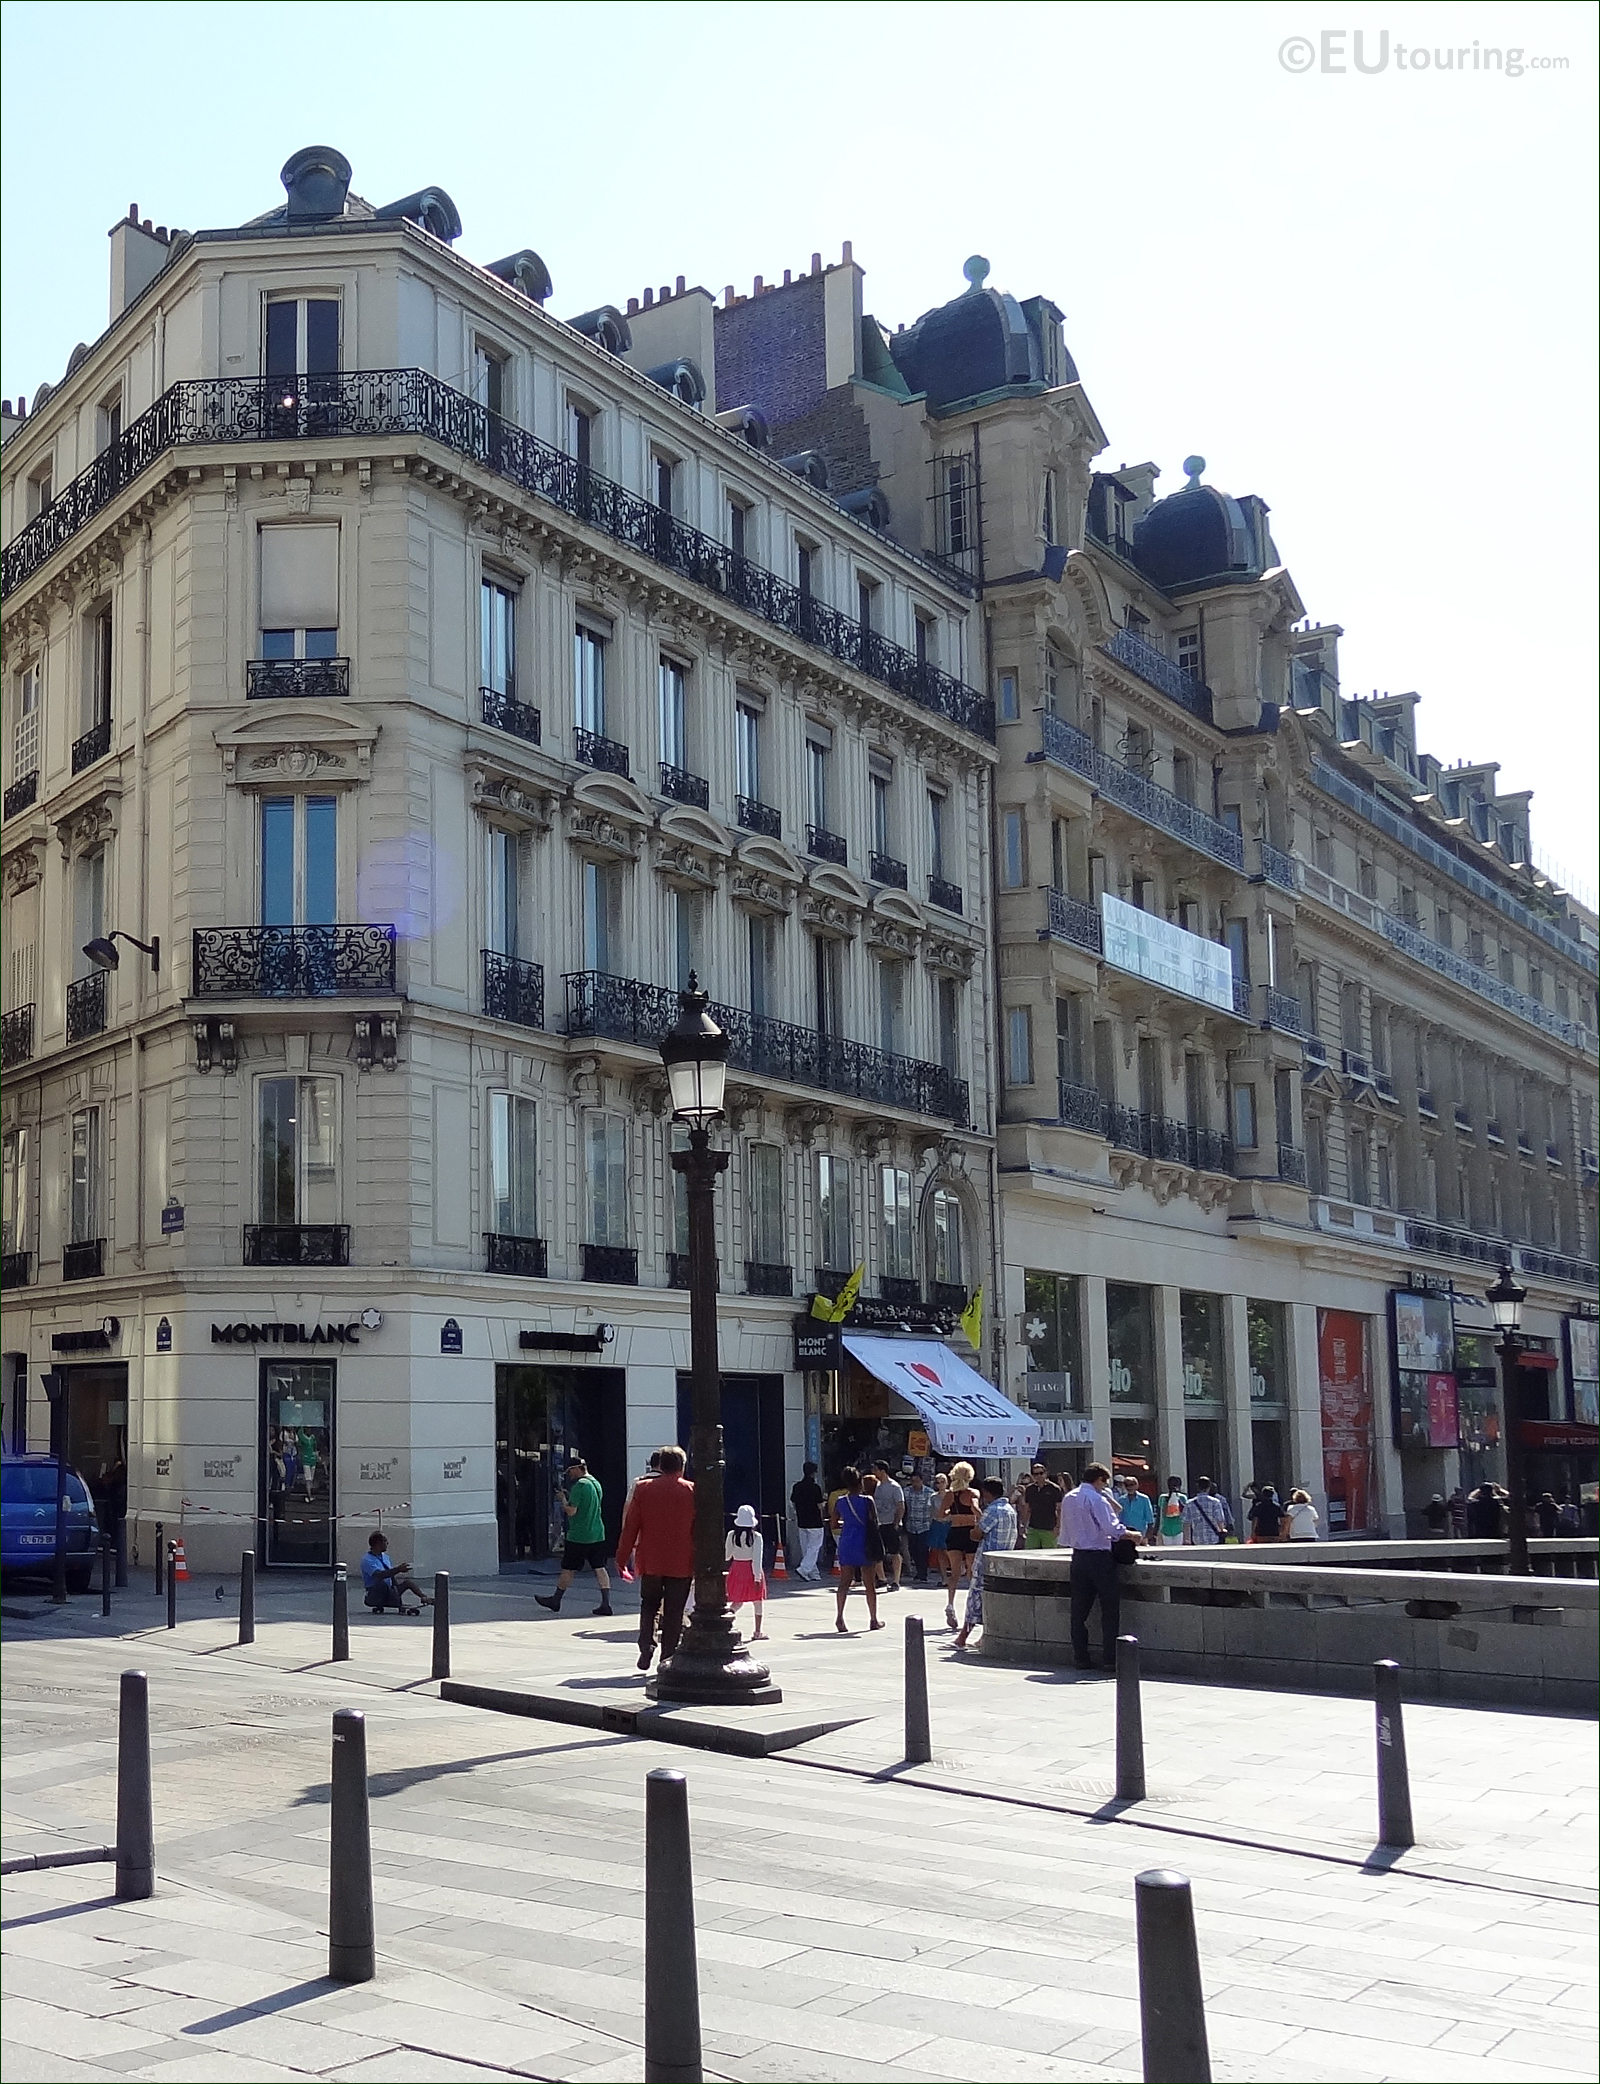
(824, 845)
(1483, 982)
(1154, 667)
(365, 404)
(266, 678)
(1291, 1164)
(1462, 1117)
(93, 745)
(946, 895)
(616, 1263)
(684, 787)
(677, 1269)
(297, 1244)
(16, 1270)
(83, 1261)
(883, 868)
(22, 794)
(947, 1295)
(86, 1007)
(1316, 1051)
(1426, 1105)
(1356, 1066)
(513, 989)
(292, 962)
(1383, 1085)
(1072, 921)
(1284, 1011)
(1172, 1142)
(1065, 744)
(763, 1277)
(1557, 1266)
(756, 816)
(506, 713)
(899, 1288)
(1243, 997)
(627, 1011)
(1495, 1134)
(591, 750)
(17, 1032)
(526, 1257)
(1277, 867)
(1081, 1107)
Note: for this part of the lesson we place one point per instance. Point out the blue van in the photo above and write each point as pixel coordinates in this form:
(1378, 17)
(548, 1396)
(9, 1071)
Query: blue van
(28, 1520)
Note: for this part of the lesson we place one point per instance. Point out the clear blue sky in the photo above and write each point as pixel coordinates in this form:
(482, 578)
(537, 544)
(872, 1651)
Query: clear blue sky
(1368, 297)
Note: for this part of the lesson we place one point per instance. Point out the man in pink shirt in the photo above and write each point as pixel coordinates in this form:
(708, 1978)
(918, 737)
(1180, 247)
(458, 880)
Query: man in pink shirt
(657, 1540)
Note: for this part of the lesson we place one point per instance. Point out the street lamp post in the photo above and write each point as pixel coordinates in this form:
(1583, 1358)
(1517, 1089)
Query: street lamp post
(710, 1664)
(1506, 1300)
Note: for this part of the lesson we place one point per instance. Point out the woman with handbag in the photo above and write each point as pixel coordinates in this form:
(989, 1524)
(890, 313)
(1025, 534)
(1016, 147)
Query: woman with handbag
(855, 1526)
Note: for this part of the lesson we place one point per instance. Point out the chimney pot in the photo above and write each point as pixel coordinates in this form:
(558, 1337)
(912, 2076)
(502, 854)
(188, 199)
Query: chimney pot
(649, 298)
(816, 264)
(787, 278)
(848, 255)
(681, 286)
(757, 290)
(161, 231)
(727, 297)
(633, 305)
(663, 295)
(133, 213)
(147, 226)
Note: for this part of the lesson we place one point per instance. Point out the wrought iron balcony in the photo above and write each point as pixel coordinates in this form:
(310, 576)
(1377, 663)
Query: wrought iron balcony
(677, 1269)
(1476, 979)
(684, 787)
(1383, 1085)
(513, 989)
(320, 678)
(16, 1270)
(1283, 1011)
(292, 962)
(1356, 1066)
(1072, 921)
(1068, 747)
(1158, 671)
(591, 750)
(899, 1288)
(947, 1295)
(86, 1007)
(527, 1257)
(1081, 1107)
(22, 794)
(756, 816)
(506, 713)
(93, 745)
(1291, 1164)
(364, 404)
(883, 868)
(1171, 1142)
(627, 1011)
(1451, 1243)
(761, 1277)
(1559, 1266)
(824, 845)
(618, 1264)
(17, 1030)
(297, 1244)
(1426, 1106)
(1277, 867)
(946, 895)
(1316, 1050)
(85, 1260)
(1243, 997)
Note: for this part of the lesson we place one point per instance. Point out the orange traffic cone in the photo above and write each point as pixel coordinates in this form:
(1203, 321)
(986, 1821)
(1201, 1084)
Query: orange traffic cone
(780, 1568)
(180, 1568)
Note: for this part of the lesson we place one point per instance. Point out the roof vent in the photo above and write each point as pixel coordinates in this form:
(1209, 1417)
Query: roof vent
(867, 505)
(317, 180)
(525, 272)
(807, 464)
(606, 327)
(748, 421)
(682, 378)
(430, 208)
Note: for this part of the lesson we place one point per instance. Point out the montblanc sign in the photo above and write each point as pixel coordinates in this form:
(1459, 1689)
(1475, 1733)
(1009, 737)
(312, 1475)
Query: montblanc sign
(295, 1334)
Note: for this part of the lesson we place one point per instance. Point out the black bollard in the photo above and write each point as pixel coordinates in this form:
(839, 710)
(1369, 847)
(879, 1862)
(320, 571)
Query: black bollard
(172, 1584)
(352, 1955)
(919, 1744)
(341, 1616)
(441, 1624)
(105, 1576)
(1172, 2006)
(161, 1556)
(122, 1554)
(1130, 1722)
(247, 1596)
(136, 1849)
(1394, 1781)
(671, 1974)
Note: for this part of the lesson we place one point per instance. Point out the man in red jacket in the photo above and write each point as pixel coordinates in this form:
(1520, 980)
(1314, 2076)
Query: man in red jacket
(658, 1540)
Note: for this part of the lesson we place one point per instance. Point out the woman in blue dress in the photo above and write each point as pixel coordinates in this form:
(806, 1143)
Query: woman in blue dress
(997, 1529)
(855, 1527)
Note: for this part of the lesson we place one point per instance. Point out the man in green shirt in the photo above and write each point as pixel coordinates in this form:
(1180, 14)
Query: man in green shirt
(586, 1538)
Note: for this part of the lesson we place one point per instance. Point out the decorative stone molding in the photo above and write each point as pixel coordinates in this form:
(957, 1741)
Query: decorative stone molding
(297, 742)
(949, 957)
(894, 936)
(683, 866)
(803, 1126)
(91, 825)
(871, 1137)
(23, 868)
(759, 893)
(595, 833)
(745, 1107)
(583, 1081)
(511, 799)
(649, 1095)
(1210, 1193)
(929, 1148)
(829, 916)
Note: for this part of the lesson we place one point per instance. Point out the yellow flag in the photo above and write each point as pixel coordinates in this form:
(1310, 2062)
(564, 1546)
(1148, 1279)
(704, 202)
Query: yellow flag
(845, 1301)
(972, 1320)
(822, 1306)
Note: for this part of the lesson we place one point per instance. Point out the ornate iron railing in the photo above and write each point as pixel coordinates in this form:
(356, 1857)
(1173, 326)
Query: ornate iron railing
(616, 1263)
(297, 1244)
(684, 787)
(1141, 657)
(1426, 1105)
(626, 1010)
(947, 1295)
(527, 1257)
(899, 1288)
(1383, 1085)
(884, 869)
(93, 745)
(16, 1270)
(313, 677)
(824, 845)
(1483, 982)
(1065, 744)
(366, 404)
(1071, 921)
(292, 962)
(1080, 1107)
(17, 1033)
(505, 713)
(86, 1007)
(1278, 867)
(22, 794)
(591, 750)
(1291, 1164)
(1243, 994)
(761, 1277)
(756, 816)
(1172, 1142)
(83, 1261)
(677, 1269)
(1356, 1066)
(513, 989)
(1316, 1050)
(946, 895)
(1557, 1266)
(1284, 1011)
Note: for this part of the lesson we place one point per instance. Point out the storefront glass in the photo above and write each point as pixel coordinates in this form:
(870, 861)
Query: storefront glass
(543, 1417)
(1133, 1452)
(1130, 1344)
(1267, 1462)
(1269, 1380)
(297, 1414)
(1349, 1450)
(1050, 1324)
(1200, 1320)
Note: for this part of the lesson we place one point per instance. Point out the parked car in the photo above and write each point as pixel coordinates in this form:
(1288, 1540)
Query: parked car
(28, 1520)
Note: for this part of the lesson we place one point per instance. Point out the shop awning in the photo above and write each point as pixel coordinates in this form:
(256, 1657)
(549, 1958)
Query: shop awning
(964, 1414)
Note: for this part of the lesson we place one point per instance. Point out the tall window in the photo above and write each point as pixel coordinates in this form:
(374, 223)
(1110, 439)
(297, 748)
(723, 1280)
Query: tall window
(759, 935)
(662, 476)
(489, 377)
(97, 685)
(27, 690)
(738, 513)
(303, 336)
(688, 933)
(1070, 1037)
(1013, 850)
(764, 1175)
(589, 680)
(894, 1219)
(1316, 1154)
(923, 638)
(1360, 1167)
(817, 781)
(747, 750)
(580, 434)
(513, 1165)
(1019, 1045)
(835, 1247)
(881, 822)
(85, 1195)
(300, 590)
(957, 506)
(802, 569)
(108, 420)
(1049, 516)
(1188, 648)
(892, 1007)
(945, 1231)
(948, 1008)
(299, 860)
(674, 716)
(936, 832)
(505, 891)
(297, 1147)
(1244, 1117)
(41, 490)
(828, 973)
(497, 638)
(1237, 932)
(1196, 1109)
(602, 922)
(867, 603)
(1010, 706)
(17, 1179)
(88, 907)
(605, 1151)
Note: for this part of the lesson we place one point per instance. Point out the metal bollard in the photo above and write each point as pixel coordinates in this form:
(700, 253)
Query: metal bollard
(247, 1596)
(172, 1585)
(441, 1624)
(919, 1744)
(671, 1973)
(105, 1576)
(1172, 2005)
(161, 1556)
(341, 1616)
(136, 1848)
(1130, 1722)
(1394, 1781)
(352, 1953)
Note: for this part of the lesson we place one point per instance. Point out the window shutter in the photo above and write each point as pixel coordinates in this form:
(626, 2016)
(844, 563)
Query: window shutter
(300, 576)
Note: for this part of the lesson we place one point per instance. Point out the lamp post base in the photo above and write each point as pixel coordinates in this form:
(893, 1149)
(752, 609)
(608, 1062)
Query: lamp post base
(712, 1668)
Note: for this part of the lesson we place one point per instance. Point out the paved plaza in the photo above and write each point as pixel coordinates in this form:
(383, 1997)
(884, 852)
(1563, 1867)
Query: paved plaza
(972, 1918)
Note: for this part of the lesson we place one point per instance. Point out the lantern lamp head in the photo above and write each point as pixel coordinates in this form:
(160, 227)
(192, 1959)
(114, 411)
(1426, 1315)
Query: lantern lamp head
(695, 1053)
(1505, 1300)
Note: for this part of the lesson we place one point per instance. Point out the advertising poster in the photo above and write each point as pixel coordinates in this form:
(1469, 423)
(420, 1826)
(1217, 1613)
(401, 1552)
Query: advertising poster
(1349, 1458)
(1426, 1414)
(1583, 1369)
(1423, 1335)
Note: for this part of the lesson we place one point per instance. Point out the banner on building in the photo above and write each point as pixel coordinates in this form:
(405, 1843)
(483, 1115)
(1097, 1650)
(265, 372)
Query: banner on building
(1349, 1451)
(1152, 947)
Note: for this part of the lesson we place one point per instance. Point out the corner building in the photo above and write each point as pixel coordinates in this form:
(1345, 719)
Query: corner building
(432, 685)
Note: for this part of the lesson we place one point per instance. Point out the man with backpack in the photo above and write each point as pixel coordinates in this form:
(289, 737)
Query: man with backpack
(1206, 1518)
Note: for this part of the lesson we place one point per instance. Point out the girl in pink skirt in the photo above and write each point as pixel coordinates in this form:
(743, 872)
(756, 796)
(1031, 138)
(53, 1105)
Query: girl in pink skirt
(747, 1579)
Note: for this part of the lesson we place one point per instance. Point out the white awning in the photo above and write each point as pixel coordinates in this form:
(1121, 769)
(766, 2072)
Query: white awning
(964, 1414)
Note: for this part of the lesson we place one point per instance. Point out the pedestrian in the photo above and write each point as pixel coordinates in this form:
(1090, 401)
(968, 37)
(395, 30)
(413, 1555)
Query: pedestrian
(1457, 1502)
(1483, 1514)
(1437, 1514)
(855, 1526)
(1549, 1515)
(806, 1501)
(1267, 1515)
(890, 1499)
(385, 1584)
(747, 1581)
(1089, 1525)
(1567, 1521)
(657, 1539)
(1302, 1517)
(961, 1507)
(830, 1545)
(1041, 1501)
(1173, 1506)
(938, 1531)
(920, 1501)
(586, 1539)
(1206, 1518)
(1138, 1511)
(997, 1529)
